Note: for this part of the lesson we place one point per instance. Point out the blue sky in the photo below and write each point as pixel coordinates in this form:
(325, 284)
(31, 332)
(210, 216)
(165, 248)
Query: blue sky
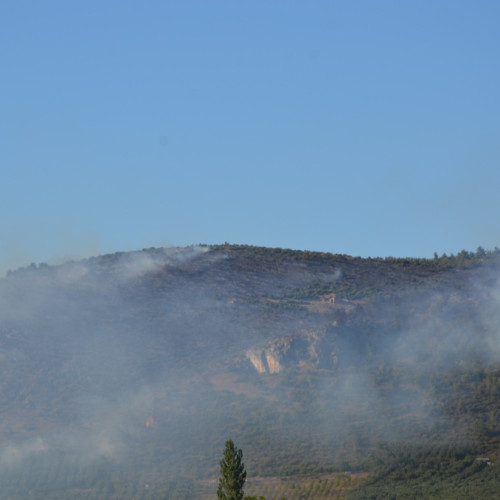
(361, 127)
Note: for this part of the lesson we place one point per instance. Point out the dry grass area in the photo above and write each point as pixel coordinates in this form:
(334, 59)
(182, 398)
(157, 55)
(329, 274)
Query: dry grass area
(323, 487)
(227, 381)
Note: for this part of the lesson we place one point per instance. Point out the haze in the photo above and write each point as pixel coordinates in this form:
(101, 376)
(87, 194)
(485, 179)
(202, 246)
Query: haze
(139, 363)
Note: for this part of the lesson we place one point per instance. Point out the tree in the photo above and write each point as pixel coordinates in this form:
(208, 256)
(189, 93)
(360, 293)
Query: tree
(232, 474)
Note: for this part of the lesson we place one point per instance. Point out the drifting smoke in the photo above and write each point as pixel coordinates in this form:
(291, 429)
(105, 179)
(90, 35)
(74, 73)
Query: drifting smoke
(143, 358)
(136, 264)
(15, 454)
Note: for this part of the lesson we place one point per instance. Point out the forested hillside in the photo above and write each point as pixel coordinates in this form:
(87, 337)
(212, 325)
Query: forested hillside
(123, 375)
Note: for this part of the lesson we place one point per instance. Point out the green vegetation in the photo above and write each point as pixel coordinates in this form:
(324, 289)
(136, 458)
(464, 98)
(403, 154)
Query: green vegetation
(232, 474)
(432, 473)
(123, 384)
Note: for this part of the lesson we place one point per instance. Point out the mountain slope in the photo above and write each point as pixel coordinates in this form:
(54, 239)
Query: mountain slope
(148, 361)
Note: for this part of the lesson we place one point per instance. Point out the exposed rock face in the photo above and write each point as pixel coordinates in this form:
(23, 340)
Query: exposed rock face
(255, 357)
(273, 362)
(264, 360)
(304, 349)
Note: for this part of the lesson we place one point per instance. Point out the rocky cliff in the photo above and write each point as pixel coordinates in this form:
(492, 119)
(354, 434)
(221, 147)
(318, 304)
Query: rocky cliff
(307, 348)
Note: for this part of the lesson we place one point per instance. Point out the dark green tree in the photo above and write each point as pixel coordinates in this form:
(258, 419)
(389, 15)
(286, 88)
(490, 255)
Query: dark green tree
(232, 474)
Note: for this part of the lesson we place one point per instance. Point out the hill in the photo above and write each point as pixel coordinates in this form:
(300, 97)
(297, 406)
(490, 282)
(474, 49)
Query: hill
(123, 375)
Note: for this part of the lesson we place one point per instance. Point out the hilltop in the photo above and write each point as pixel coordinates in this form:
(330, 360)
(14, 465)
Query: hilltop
(141, 364)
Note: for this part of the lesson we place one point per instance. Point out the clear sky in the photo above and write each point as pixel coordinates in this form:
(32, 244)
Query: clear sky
(361, 127)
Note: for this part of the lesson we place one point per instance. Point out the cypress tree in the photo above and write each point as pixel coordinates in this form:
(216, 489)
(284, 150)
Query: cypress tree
(232, 474)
